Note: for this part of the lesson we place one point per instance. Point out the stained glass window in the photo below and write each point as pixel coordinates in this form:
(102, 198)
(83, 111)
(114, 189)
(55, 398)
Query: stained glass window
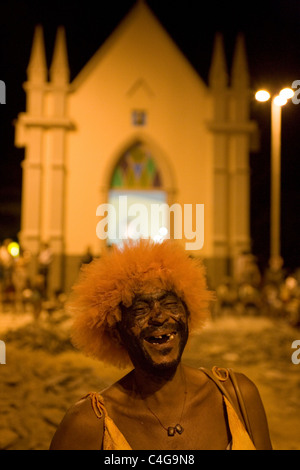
(136, 169)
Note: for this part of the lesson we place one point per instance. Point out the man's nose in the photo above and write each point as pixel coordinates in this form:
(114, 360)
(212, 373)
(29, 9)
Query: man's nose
(158, 315)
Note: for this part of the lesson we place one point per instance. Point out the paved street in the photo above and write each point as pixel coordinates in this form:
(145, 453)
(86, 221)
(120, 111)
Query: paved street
(43, 374)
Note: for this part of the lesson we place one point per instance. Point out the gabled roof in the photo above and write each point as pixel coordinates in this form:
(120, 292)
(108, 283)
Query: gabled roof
(140, 18)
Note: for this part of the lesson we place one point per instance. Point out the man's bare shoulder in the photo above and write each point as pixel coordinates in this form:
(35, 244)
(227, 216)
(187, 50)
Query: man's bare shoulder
(80, 428)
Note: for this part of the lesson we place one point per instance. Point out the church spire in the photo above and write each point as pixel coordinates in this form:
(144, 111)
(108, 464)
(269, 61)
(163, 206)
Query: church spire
(240, 73)
(59, 70)
(37, 67)
(218, 76)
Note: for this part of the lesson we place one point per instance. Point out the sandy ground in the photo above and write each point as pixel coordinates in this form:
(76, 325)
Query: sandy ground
(44, 375)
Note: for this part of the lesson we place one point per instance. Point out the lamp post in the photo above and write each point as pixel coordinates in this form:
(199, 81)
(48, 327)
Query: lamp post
(276, 103)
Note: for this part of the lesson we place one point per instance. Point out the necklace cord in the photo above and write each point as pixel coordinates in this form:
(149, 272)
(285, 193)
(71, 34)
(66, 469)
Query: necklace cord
(171, 429)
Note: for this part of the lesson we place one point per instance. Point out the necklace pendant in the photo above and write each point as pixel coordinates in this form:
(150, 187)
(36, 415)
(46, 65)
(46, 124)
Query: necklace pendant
(179, 428)
(171, 431)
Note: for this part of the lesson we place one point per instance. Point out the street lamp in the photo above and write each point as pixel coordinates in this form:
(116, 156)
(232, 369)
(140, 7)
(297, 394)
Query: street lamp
(277, 102)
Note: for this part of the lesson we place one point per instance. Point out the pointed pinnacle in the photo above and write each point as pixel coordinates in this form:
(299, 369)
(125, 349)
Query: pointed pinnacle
(218, 76)
(240, 72)
(37, 67)
(59, 70)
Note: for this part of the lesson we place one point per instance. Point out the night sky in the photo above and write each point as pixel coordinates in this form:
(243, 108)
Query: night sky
(272, 33)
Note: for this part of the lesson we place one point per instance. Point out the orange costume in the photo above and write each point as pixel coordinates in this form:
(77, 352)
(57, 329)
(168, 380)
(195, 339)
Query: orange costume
(113, 439)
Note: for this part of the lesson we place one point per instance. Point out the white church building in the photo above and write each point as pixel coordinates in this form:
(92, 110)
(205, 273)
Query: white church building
(137, 121)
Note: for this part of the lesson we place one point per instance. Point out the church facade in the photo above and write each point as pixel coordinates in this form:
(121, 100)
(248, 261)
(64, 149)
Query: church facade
(137, 125)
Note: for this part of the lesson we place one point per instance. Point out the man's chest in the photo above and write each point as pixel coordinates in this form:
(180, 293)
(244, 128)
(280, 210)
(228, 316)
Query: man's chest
(202, 426)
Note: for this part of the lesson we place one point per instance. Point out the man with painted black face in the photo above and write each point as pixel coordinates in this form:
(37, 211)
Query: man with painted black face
(137, 306)
(155, 330)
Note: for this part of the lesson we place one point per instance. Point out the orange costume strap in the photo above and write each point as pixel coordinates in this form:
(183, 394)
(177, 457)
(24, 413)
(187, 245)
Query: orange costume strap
(220, 375)
(97, 405)
(113, 439)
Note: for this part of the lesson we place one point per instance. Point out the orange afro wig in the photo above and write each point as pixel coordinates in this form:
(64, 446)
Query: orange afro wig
(117, 277)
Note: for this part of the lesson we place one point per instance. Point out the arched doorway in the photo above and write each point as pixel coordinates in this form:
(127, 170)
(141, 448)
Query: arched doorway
(138, 197)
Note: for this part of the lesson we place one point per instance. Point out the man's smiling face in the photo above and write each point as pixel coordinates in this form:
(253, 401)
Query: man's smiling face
(154, 330)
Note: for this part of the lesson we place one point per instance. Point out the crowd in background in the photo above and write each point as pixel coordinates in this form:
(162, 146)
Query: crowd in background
(19, 290)
(274, 293)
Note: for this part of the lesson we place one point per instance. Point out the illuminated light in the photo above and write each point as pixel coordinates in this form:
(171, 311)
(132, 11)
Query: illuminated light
(14, 249)
(163, 231)
(291, 282)
(287, 93)
(279, 100)
(262, 95)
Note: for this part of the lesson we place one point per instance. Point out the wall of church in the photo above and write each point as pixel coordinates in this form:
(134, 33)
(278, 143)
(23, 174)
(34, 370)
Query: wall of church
(117, 81)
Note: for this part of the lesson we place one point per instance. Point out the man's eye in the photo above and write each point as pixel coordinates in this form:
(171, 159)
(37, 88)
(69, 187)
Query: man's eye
(171, 303)
(141, 309)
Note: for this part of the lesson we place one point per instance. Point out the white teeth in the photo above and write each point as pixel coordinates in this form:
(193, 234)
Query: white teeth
(171, 336)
